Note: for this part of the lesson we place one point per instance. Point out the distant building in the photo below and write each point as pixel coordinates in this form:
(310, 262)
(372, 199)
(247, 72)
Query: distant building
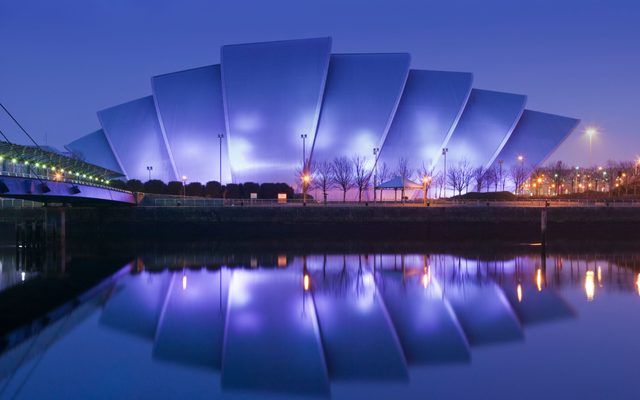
(251, 118)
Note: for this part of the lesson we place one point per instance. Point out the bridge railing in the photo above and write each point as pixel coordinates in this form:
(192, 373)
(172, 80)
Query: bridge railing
(19, 203)
(178, 201)
(64, 180)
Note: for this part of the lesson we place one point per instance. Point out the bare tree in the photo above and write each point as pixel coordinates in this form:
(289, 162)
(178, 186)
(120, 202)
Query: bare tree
(467, 173)
(342, 175)
(460, 176)
(383, 173)
(558, 172)
(491, 178)
(426, 173)
(625, 174)
(537, 179)
(439, 182)
(404, 171)
(361, 174)
(479, 175)
(323, 173)
(500, 175)
(454, 179)
(519, 174)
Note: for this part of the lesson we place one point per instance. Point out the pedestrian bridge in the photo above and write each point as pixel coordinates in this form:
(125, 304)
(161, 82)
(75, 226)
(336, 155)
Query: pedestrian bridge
(42, 175)
(48, 191)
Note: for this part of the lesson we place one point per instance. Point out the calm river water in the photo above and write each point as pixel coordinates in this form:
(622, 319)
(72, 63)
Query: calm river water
(515, 323)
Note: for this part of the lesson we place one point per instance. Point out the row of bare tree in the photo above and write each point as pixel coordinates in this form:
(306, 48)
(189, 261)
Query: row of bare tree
(359, 173)
(343, 173)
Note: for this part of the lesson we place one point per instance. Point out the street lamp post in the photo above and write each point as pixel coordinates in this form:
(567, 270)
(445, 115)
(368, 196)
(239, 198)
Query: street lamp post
(184, 187)
(500, 162)
(520, 173)
(220, 136)
(376, 150)
(149, 169)
(305, 175)
(591, 132)
(444, 177)
(304, 151)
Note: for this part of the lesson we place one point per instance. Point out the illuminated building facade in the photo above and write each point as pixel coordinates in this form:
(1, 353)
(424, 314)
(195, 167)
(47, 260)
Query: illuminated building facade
(267, 106)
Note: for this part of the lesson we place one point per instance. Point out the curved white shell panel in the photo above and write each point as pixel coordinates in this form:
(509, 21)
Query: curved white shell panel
(272, 95)
(535, 137)
(191, 113)
(429, 110)
(360, 100)
(134, 133)
(94, 148)
(484, 127)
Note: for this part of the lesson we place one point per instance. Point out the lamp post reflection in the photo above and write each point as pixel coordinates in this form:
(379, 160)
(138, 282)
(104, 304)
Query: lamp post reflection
(305, 282)
(589, 285)
(539, 279)
(426, 271)
(599, 276)
(519, 292)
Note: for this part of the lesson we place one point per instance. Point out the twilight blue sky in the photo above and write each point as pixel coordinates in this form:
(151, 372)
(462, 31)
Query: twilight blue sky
(61, 61)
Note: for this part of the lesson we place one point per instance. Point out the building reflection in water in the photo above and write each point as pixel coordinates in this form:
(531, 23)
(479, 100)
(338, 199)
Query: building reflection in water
(291, 323)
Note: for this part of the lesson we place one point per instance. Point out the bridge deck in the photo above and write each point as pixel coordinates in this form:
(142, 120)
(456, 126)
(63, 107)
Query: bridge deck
(52, 191)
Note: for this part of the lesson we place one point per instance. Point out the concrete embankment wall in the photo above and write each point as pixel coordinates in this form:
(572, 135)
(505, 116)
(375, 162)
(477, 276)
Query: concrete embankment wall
(335, 222)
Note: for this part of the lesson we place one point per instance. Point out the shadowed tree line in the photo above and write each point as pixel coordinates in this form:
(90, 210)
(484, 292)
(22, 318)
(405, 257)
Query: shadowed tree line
(212, 189)
(557, 178)
(360, 173)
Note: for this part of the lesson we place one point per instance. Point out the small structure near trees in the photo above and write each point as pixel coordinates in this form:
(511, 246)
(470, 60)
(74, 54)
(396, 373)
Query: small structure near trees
(397, 183)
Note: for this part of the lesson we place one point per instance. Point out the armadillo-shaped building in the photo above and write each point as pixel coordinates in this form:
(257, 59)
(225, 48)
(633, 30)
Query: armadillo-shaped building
(268, 106)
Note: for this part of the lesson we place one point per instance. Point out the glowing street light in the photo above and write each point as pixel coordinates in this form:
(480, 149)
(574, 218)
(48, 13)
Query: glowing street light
(425, 183)
(520, 158)
(306, 179)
